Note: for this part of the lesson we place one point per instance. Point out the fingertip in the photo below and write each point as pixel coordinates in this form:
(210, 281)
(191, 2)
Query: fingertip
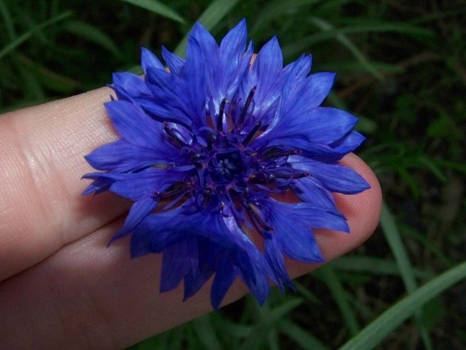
(362, 211)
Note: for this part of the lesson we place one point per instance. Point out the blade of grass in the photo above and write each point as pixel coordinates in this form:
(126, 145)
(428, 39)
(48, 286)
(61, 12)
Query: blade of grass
(424, 160)
(10, 28)
(272, 340)
(345, 41)
(438, 15)
(300, 336)
(328, 275)
(158, 8)
(393, 237)
(460, 167)
(268, 320)
(377, 330)
(237, 330)
(48, 78)
(91, 33)
(25, 36)
(330, 32)
(431, 246)
(206, 333)
(306, 293)
(372, 264)
(32, 87)
(212, 15)
(353, 66)
(276, 9)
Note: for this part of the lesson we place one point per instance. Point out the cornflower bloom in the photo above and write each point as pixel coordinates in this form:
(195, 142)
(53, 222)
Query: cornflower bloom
(211, 151)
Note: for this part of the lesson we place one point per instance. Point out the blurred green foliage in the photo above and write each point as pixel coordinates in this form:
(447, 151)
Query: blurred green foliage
(401, 67)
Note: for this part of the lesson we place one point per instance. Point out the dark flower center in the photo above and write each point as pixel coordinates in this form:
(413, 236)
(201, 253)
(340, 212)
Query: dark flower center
(225, 167)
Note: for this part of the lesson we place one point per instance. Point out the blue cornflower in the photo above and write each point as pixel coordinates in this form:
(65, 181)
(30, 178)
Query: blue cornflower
(208, 149)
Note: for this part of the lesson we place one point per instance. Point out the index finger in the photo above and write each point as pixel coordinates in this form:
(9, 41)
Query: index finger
(113, 300)
(42, 158)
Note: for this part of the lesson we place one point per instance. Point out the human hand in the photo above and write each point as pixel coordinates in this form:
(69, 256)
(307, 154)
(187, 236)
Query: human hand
(61, 287)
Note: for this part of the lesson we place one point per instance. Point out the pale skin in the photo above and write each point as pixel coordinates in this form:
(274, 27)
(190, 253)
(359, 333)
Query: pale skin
(60, 286)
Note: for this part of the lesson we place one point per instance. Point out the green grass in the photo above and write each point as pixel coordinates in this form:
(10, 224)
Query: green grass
(400, 68)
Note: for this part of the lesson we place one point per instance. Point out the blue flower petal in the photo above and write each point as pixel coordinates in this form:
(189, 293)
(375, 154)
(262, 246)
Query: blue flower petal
(233, 45)
(267, 68)
(141, 242)
(327, 124)
(174, 62)
(334, 177)
(153, 234)
(178, 260)
(274, 257)
(292, 229)
(301, 245)
(293, 76)
(142, 184)
(169, 101)
(323, 125)
(298, 70)
(253, 274)
(131, 83)
(315, 89)
(269, 62)
(148, 59)
(121, 156)
(194, 281)
(194, 91)
(207, 44)
(298, 142)
(224, 276)
(312, 191)
(137, 213)
(134, 126)
(315, 217)
(205, 268)
(97, 186)
(349, 143)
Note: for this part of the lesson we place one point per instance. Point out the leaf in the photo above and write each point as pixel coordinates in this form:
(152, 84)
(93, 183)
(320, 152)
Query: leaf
(48, 78)
(392, 235)
(301, 337)
(91, 33)
(10, 28)
(209, 18)
(306, 292)
(237, 330)
(328, 31)
(371, 264)
(343, 39)
(333, 283)
(158, 8)
(268, 320)
(276, 9)
(25, 36)
(393, 238)
(206, 333)
(373, 334)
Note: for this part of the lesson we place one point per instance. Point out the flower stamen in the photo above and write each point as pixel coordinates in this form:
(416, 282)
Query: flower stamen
(246, 105)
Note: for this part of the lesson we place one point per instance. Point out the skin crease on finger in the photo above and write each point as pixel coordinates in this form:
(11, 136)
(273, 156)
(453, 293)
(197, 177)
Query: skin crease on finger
(94, 297)
(41, 207)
